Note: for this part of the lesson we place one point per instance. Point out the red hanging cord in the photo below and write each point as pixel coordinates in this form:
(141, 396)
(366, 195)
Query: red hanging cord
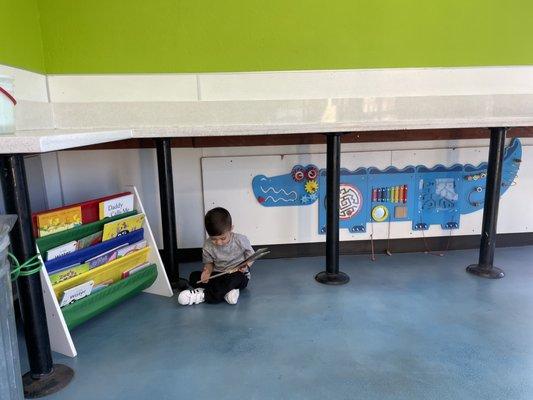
(8, 95)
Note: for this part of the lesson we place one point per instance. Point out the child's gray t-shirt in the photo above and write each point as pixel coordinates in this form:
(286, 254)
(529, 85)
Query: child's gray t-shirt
(229, 255)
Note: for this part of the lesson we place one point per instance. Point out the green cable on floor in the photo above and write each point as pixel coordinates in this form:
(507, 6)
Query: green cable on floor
(30, 267)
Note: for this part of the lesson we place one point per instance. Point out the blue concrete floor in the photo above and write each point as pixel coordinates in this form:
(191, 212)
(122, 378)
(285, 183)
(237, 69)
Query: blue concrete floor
(410, 326)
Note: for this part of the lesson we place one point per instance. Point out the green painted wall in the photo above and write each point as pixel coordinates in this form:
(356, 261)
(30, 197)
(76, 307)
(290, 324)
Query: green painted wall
(106, 36)
(120, 36)
(20, 35)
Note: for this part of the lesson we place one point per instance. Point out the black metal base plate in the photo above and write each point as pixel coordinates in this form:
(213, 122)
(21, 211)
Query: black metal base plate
(179, 285)
(332, 279)
(46, 385)
(484, 272)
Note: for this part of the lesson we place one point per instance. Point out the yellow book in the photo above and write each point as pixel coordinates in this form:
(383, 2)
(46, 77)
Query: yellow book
(122, 226)
(110, 271)
(57, 221)
(69, 273)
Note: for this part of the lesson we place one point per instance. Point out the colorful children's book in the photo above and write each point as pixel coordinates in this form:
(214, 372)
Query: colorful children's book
(116, 206)
(122, 226)
(104, 258)
(76, 293)
(68, 273)
(89, 210)
(255, 256)
(57, 221)
(90, 240)
(132, 271)
(62, 250)
(112, 270)
(123, 251)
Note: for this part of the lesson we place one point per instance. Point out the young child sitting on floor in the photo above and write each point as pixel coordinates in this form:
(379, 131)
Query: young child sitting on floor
(223, 251)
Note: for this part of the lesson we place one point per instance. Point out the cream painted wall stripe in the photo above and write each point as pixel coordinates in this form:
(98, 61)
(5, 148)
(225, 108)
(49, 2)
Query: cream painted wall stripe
(295, 85)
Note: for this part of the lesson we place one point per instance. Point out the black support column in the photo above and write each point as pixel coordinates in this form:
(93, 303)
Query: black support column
(485, 267)
(168, 212)
(44, 377)
(332, 275)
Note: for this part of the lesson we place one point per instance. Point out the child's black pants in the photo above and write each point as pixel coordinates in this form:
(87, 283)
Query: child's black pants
(216, 289)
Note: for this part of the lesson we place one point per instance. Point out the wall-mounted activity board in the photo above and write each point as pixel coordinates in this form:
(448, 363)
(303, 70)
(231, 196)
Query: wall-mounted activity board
(424, 195)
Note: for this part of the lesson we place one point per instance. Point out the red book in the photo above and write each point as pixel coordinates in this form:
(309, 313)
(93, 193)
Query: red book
(90, 210)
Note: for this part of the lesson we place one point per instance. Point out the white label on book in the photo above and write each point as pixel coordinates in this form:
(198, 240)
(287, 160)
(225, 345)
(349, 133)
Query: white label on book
(76, 293)
(117, 206)
(62, 250)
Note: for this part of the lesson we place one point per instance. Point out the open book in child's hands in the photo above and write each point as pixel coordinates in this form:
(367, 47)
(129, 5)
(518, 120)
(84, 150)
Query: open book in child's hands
(258, 254)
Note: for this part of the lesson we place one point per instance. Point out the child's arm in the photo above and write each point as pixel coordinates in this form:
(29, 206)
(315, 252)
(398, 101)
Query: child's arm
(206, 272)
(209, 263)
(248, 251)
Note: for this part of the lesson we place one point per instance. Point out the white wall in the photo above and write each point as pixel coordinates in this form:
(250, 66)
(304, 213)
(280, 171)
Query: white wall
(291, 85)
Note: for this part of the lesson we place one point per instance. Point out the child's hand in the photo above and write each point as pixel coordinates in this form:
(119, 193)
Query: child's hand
(205, 275)
(245, 267)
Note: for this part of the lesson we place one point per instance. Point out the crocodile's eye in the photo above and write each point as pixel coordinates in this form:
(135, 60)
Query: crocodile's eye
(298, 173)
(311, 173)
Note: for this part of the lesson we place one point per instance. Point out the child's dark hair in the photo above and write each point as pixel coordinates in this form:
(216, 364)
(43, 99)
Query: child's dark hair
(217, 221)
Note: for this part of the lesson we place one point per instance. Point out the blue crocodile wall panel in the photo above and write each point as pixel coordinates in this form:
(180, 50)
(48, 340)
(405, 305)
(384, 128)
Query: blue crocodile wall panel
(424, 195)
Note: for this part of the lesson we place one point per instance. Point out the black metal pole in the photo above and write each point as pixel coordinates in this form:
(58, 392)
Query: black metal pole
(485, 267)
(332, 275)
(168, 212)
(44, 377)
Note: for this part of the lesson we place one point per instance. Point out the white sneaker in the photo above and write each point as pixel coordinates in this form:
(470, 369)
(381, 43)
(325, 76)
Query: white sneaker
(232, 296)
(191, 296)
